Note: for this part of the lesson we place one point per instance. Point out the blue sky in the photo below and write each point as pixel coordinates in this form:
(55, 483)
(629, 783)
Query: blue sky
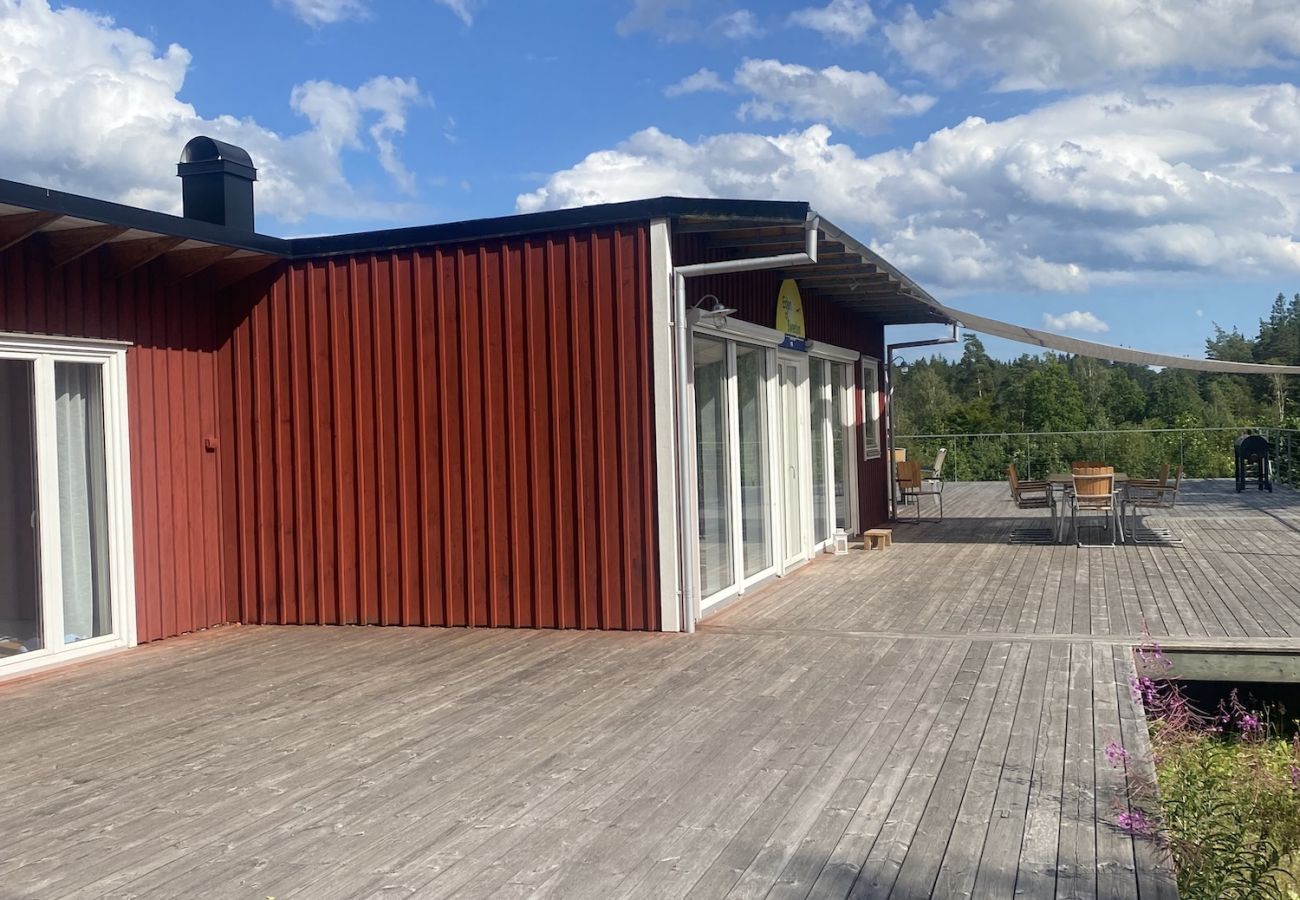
(1128, 161)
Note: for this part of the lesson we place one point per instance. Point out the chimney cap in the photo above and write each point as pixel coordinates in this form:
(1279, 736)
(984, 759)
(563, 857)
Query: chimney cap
(204, 154)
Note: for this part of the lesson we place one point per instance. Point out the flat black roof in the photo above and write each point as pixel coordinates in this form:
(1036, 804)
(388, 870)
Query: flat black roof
(13, 193)
(856, 276)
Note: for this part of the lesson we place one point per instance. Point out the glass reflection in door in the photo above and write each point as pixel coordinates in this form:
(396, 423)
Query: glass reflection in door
(83, 500)
(820, 415)
(751, 402)
(839, 443)
(791, 464)
(20, 586)
(712, 468)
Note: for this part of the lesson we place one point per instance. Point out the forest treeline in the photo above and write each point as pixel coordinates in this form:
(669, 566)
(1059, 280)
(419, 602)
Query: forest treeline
(977, 394)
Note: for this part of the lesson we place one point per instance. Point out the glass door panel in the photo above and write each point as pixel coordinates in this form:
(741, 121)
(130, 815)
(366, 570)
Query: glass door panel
(751, 394)
(21, 622)
(839, 444)
(792, 465)
(713, 476)
(820, 416)
(83, 500)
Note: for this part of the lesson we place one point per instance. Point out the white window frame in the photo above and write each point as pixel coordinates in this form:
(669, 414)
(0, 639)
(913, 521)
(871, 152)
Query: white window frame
(870, 381)
(43, 353)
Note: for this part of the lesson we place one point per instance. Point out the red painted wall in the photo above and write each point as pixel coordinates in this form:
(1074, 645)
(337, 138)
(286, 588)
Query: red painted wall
(458, 435)
(172, 395)
(753, 296)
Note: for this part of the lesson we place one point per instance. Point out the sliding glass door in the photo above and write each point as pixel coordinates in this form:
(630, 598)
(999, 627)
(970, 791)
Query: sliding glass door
(83, 500)
(773, 466)
(713, 466)
(833, 482)
(64, 525)
(755, 458)
(733, 461)
(21, 622)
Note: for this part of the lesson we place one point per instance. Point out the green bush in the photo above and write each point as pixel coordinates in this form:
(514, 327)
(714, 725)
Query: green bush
(1226, 801)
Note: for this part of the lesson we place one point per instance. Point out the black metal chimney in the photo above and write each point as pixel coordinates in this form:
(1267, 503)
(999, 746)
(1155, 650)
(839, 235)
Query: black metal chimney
(217, 183)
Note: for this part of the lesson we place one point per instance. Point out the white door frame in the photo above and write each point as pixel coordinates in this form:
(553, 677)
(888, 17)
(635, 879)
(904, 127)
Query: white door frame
(802, 464)
(43, 353)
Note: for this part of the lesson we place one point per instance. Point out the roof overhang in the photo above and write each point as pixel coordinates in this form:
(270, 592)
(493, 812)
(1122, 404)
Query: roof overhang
(847, 272)
(68, 226)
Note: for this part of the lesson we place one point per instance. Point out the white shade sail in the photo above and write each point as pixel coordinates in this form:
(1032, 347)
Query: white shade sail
(1096, 350)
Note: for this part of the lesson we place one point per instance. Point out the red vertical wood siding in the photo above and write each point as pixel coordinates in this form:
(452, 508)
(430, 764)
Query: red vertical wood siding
(753, 296)
(457, 435)
(171, 395)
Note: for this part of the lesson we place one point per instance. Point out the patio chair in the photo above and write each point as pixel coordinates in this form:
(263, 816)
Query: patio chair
(914, 486)
(1032, 495)
(1152, 494)
(1094, 492)
(935, 472)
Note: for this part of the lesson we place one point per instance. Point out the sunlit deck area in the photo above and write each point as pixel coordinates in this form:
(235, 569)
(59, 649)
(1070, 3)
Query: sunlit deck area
(924, 721)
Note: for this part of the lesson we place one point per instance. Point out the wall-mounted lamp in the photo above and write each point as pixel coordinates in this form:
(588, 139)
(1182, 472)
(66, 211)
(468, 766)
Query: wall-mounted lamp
(900, 365)
(716, 313)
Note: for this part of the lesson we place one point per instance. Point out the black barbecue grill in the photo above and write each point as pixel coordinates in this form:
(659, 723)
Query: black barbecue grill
(1253, 455)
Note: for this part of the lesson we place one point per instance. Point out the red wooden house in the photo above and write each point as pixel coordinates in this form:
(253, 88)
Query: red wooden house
(587, 418)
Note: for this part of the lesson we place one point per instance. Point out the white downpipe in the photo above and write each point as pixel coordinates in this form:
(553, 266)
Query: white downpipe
(687, 508)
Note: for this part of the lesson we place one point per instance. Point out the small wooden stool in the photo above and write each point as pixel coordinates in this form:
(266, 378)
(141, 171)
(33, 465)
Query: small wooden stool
(879, 538)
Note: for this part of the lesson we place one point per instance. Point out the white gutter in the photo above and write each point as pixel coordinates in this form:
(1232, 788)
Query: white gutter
(687, 529)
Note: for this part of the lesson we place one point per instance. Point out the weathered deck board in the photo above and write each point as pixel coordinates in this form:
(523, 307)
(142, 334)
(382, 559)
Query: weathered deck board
(926, 721)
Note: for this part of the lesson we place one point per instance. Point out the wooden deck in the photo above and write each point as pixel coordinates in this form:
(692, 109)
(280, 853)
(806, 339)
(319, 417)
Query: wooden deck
(927, 721)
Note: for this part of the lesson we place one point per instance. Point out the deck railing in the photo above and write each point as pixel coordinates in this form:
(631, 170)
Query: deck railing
(1203, 452)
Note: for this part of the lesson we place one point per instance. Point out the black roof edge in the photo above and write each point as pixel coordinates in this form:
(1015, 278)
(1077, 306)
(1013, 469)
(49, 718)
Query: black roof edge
(550, 220)
(28, 196)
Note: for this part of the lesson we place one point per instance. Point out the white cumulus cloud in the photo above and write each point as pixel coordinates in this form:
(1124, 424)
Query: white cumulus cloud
(91, 108)
(842, 20)
(862, 101)
(1051, 44)
(326, 12)
(1075, 320)
(461, 9)
(737, 26)
(703, 80)
(680, 20)
(1097, 188)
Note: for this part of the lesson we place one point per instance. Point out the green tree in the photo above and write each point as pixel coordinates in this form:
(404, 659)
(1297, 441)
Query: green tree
(976, 369)
(1053, 401)
(1125, 401)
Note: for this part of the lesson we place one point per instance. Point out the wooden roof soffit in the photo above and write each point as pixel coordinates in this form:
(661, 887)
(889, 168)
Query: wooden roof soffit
(127, 256)
(770, 241)
(229, 272)
(15, 229)
(66, 245)
(182, 264)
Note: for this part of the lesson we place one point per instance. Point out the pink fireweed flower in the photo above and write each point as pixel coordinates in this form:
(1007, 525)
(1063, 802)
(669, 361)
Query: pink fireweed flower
(1135, 822)
(1115, 754)
(1295, 776)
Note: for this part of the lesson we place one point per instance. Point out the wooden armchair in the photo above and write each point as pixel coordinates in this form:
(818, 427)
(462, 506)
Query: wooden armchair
(1094, 492)
(1152, 494)
(1032, 495)
(914, 486)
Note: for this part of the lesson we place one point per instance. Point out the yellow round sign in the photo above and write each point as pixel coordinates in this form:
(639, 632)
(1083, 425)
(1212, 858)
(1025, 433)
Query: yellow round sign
(789, 309)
